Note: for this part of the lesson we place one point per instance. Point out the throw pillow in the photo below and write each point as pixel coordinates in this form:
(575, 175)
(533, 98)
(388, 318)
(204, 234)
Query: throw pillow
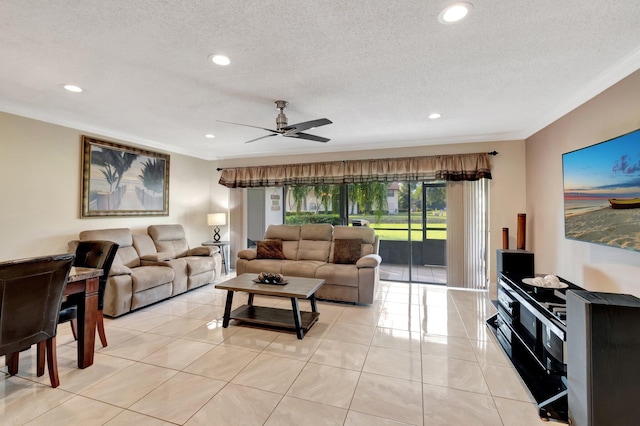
(346, 251)
(270, 249)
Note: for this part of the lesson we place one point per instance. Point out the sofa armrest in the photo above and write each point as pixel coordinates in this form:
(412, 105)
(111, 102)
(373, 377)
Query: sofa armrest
(157, 257)
(203, 251)
(119, 270)
(73, 245)
(369, 261)
(248, 254)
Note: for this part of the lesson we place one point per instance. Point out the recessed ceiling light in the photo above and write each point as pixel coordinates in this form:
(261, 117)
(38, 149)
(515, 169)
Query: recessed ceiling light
(219, 59)
(72, 88)
(210, 136)
(454, 13)
(435, 115)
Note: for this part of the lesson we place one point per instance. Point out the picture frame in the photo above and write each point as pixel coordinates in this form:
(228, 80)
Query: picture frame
(119, 180)
(602, 192)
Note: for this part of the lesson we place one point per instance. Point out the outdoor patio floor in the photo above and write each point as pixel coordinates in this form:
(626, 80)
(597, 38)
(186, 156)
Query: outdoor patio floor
(419, 274)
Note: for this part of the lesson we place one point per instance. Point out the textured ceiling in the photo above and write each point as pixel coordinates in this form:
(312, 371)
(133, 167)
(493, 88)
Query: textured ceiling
(376, 68)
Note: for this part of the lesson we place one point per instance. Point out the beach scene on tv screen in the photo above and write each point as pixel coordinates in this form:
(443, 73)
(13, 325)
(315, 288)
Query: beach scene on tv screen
(602, 192)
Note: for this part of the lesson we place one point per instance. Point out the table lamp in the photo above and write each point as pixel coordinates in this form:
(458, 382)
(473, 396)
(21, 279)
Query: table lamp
(216, 219)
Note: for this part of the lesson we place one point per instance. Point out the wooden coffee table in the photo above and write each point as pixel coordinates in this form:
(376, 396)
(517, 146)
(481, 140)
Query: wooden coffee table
(296, 288)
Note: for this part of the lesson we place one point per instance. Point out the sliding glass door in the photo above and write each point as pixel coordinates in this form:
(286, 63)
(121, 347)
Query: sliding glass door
(410, 219)
(413, 238)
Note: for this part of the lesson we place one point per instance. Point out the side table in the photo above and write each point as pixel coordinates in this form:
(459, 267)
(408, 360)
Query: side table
(224, 246)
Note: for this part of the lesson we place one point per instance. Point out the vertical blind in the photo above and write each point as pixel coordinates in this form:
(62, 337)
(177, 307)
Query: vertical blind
(468, 234)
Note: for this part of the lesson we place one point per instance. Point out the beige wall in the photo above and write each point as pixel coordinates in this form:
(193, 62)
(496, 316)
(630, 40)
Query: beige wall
(508, 189)
(40, 168)
(612, 113)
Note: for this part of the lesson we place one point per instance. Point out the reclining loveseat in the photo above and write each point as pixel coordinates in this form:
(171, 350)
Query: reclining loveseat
(152, 267)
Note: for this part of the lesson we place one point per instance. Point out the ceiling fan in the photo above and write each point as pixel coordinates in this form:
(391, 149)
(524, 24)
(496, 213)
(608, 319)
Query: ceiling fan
(290, 131)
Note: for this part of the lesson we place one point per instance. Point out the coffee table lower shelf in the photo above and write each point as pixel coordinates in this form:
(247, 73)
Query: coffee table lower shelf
(273, 317)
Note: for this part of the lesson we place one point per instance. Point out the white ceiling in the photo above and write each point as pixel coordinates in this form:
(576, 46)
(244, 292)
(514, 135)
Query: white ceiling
(376, 68)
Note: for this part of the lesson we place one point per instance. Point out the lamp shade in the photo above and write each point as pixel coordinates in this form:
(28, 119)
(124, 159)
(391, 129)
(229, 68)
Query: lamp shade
(215, 219)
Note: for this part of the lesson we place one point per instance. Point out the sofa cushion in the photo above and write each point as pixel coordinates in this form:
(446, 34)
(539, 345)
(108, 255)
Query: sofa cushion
(314, 250)
(119, 269)
(144, 246)
(169, 239)
(290, 249)
(199, 265)
(290, 236)
(316, 231)
(120, 236)
(166, 232)
(126, 254)
(266, 265)
(282, 232)
(315, 242)
(302, 268)
(151, 276)
(366, 234)
(270, 249)
(347, 251)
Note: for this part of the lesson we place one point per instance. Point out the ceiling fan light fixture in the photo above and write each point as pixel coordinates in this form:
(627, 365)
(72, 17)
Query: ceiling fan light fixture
(454, 13)
(435, 115)
(72, 88)
(219, 59)
(291, 131)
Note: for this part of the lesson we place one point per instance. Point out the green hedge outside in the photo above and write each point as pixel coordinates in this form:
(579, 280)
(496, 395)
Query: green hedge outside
(385, 228)
(310, 217)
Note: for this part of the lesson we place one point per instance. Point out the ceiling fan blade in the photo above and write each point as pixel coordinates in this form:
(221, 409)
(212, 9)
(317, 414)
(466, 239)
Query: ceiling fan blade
(261, 137)
(248, 125)
(308, 137)
(301, 127)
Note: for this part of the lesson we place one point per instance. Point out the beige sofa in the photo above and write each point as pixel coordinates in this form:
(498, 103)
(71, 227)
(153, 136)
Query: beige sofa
(310, 250)
(141, 274)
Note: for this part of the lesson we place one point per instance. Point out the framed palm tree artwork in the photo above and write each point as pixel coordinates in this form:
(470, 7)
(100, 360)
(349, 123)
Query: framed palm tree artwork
(118, 180)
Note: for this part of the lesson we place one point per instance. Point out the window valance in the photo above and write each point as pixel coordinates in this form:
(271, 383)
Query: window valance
(442, 167)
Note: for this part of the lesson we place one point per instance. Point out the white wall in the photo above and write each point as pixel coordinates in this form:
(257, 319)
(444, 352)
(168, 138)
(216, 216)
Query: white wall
(40, 171)
(594, 267)
(270, 215)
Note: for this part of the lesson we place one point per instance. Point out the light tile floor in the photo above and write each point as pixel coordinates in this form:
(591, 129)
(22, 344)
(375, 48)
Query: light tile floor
(420, 355)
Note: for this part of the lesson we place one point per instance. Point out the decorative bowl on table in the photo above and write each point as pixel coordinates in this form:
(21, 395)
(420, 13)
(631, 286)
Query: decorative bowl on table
(270, 278)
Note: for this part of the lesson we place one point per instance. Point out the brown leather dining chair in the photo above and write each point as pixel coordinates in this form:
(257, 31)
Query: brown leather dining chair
(91, 254)
(31, 293)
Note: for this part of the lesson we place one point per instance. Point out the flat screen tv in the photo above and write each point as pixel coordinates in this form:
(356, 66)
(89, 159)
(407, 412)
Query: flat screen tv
(602, 192)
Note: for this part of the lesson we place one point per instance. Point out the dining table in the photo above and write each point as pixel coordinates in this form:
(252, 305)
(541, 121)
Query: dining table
(83, 282)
